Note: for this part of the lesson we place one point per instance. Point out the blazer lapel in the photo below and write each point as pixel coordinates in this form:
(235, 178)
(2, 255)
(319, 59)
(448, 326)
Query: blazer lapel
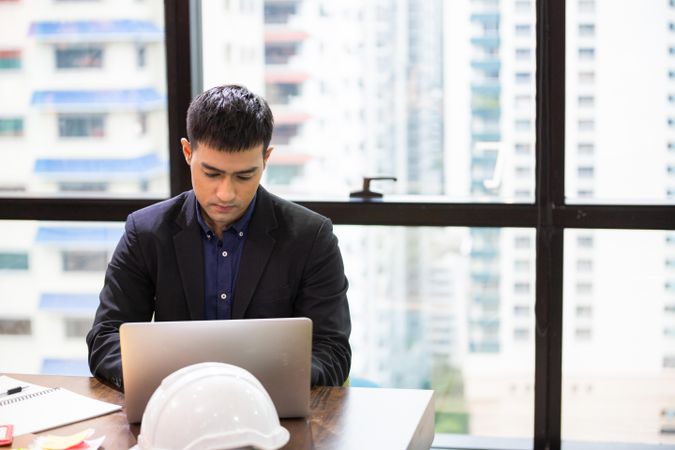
(190, 258)
(257, 250)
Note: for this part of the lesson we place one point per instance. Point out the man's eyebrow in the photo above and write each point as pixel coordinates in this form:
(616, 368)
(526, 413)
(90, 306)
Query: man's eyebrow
(210, 167)
(239, 172)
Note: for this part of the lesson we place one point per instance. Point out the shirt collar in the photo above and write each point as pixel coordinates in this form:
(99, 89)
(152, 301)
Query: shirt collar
(239, 226)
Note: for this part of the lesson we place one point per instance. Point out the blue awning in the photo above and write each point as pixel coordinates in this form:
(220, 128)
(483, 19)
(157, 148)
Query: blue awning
(68, 235)
(99, 30)
(60, 366)
(100, 100)
(100, 169)
(65, 302)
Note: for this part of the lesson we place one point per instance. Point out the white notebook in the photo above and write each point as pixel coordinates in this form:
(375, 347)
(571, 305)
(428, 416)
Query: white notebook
(37, 408)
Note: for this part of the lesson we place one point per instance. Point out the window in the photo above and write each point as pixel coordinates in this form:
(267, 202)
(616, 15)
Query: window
(584, 311)
(398, 148)
(89, 125)
(523, 242)
(523, 30)
(10, 59)
(583, 334)
(586, 148)
(586, 124)
(523, 77)
(523, 54)
(585, 241)
(523, 6)
(586, 6)
(284, 133)
(141, 56)
(523, 124)
(523, 148)
(523, 172)
(79, 57)
(11, 127)
(586, 101)
(584, 265)
(13, 260)
(521, 310)
(280, 52)
(279, 12)
(282, 93)
(84, 260)
(586, 29)
(586, 77)
(586, 172)
(16, 327)
(75, 186)
(522, 265)
(77, 327)
(521, 288)
(584, 288)
(142, 123)
(70, 73)
(586, 53)
(523, 101)
(521, 334)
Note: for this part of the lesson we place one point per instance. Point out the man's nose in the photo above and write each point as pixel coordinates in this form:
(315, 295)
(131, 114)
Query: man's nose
(226, 191)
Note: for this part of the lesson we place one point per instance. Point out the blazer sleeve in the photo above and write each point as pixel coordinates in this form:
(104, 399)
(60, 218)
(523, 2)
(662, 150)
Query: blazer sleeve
(127, 296)
(322, 297)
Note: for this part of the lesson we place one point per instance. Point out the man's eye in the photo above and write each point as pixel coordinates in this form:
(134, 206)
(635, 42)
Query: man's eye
(244, 177)
(211, 174)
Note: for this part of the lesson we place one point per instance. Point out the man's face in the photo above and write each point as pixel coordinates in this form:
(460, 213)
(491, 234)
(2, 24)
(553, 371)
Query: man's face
(224, 182)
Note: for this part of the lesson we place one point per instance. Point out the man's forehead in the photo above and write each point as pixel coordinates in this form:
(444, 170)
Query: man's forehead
(205, 145)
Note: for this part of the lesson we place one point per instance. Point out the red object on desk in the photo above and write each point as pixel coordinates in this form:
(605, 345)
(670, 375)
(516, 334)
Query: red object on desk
(6, 434)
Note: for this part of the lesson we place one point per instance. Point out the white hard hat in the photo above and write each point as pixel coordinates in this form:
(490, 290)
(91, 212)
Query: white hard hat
(211, 406)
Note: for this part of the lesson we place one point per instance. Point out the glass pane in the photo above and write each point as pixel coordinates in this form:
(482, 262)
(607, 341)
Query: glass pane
(83, 89)
(449, 309)
(619, 336)
(50, 276)
(439, 94)
(620, 105)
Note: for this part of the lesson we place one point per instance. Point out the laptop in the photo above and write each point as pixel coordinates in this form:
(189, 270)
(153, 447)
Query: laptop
(278, 352)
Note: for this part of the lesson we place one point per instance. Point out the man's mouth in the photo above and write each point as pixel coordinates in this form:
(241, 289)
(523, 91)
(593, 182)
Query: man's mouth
(224, 208)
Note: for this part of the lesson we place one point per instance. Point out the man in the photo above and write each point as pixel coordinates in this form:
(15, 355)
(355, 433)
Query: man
(227, 249)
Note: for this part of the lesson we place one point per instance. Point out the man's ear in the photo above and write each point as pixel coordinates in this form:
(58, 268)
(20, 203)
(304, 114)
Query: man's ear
(187, 150)
(267, 154)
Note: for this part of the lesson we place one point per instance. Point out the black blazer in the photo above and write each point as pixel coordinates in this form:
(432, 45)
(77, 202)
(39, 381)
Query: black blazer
(290, 267)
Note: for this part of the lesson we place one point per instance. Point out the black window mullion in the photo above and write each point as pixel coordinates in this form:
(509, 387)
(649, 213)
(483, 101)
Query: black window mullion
(421, 213)
(550, 193)
(179, 87)
(633, 217)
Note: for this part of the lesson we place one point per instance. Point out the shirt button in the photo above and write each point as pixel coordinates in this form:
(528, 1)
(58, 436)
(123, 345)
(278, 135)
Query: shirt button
(241, 234)
(224, 253)
(223, 296)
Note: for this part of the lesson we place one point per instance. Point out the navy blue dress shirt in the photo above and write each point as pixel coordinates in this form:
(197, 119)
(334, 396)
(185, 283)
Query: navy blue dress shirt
(221, 264)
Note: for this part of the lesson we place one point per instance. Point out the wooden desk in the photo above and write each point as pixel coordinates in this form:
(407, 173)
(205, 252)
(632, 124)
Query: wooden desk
(341, 418)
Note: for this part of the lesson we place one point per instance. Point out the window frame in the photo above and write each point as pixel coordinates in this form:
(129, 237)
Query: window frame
(549, 215)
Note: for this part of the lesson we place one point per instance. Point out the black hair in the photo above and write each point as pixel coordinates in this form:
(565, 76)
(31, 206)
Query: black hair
(229, 118)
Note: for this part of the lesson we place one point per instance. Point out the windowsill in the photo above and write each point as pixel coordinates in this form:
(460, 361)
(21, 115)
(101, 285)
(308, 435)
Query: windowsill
(465, 442)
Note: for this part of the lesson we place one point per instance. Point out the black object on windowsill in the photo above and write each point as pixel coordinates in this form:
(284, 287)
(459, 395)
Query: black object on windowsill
(366, 192)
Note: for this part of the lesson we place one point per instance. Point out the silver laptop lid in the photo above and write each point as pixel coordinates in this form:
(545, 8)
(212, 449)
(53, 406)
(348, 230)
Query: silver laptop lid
(277, 352)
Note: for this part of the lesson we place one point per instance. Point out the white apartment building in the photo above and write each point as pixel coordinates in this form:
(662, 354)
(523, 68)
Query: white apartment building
(83, 111)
